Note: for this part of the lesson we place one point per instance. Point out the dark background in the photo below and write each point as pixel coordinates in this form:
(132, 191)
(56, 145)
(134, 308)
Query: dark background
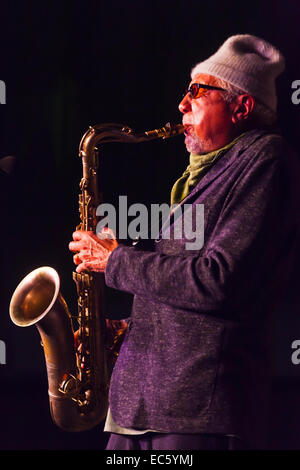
(65, 68)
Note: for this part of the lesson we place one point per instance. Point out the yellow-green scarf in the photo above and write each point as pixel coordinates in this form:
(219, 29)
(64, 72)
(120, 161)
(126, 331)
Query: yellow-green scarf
(199, 164)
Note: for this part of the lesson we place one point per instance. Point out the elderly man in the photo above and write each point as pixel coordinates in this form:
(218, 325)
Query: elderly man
(193, 371)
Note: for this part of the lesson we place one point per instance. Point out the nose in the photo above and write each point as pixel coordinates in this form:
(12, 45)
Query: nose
(185, 104)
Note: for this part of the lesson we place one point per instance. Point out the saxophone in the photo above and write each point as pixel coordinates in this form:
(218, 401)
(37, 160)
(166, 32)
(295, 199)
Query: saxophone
(79, 366)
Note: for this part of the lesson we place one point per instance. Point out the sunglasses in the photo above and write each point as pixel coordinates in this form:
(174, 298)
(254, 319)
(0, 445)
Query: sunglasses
(198, 89)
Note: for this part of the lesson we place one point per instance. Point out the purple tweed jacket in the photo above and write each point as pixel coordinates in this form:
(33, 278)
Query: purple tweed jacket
(196, 354)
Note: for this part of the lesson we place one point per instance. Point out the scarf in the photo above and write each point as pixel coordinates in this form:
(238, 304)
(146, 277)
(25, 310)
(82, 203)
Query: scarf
(199, 165)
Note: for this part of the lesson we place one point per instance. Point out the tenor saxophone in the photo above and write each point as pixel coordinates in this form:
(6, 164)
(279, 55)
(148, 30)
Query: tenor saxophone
(78, 370)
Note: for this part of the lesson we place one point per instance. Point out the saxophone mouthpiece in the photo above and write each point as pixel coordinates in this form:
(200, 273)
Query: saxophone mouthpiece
(169, 130)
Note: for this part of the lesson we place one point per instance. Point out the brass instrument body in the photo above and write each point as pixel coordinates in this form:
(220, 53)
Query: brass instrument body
(78, 377)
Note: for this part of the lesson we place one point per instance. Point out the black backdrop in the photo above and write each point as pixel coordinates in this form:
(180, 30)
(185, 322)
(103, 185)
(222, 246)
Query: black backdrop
(67, 67)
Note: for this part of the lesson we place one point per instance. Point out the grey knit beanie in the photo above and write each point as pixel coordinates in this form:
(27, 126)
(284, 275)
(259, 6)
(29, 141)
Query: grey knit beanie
(248, 62)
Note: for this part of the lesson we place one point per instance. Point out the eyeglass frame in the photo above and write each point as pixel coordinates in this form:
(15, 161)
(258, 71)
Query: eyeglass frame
(201, 85)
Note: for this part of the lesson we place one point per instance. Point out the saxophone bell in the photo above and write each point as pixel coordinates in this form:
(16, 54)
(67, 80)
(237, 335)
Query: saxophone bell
(37, 301)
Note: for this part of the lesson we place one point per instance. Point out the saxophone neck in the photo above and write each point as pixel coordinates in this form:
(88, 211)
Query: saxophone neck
(105, 133)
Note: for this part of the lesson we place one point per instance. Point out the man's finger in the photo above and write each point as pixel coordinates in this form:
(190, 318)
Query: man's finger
(75, 246)
(82, 267)
(77, 235)
(76, 259)
(81, 234)
(91, 266)
(108, 232)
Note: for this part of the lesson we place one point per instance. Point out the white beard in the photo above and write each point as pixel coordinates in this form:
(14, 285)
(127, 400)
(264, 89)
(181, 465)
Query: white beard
(194, 145)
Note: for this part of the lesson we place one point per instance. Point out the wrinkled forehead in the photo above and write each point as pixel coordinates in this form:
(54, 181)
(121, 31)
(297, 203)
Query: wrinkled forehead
(205, 79)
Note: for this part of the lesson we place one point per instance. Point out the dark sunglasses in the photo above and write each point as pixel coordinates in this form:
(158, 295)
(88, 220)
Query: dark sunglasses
(198, 89)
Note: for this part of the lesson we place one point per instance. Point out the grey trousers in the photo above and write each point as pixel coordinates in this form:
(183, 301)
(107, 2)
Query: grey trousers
(157, 441)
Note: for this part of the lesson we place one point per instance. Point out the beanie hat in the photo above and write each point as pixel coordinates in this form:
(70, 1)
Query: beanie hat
(249, 63)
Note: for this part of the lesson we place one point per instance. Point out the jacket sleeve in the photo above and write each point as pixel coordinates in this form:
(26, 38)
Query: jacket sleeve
(232, 263)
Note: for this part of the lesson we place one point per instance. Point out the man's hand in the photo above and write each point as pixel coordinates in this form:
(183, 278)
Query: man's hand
(92, 251)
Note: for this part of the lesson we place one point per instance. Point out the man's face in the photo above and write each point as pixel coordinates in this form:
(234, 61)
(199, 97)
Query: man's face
(209, 118)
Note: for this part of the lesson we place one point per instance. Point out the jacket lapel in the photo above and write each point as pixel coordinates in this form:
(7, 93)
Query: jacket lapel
(224, 162)
(217, 169)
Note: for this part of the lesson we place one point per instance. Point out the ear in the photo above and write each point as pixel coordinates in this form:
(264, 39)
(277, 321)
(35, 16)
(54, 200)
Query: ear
(243, 107)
